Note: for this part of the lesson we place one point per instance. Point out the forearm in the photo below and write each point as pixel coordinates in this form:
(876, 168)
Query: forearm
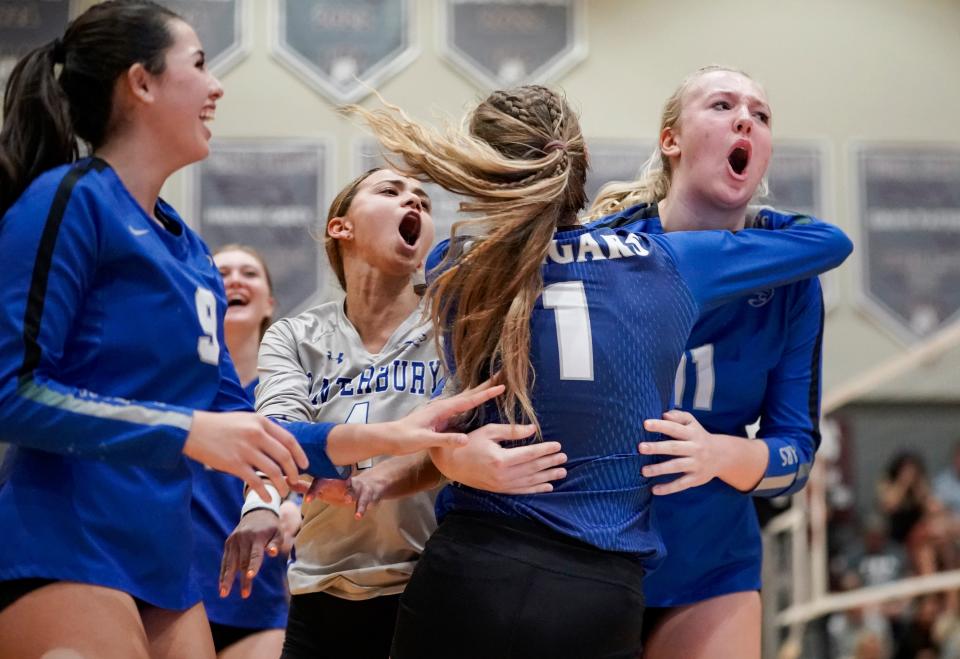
(744, 461)
(349, 443)
(406, 475)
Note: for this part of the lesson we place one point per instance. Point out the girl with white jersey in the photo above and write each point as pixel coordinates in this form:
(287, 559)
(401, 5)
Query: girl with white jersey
(368, 358)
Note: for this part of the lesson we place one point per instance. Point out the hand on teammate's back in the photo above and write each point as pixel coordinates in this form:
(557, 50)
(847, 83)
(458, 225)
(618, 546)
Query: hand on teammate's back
(486, 465)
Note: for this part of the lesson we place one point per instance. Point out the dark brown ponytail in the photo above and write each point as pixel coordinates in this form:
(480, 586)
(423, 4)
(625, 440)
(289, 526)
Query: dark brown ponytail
(44, 115)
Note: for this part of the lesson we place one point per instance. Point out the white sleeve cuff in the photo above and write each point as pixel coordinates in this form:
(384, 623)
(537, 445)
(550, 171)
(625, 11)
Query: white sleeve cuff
(254, 502)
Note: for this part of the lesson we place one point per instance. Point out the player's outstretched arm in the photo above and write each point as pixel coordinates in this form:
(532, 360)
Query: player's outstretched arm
(420, 430)
(482, 464)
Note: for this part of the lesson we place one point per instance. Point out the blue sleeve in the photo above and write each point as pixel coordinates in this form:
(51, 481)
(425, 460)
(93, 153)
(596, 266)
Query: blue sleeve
(51, 252)
(719, 266)
(790, 418)
(771, 218)
(435, 258)
(312, 437)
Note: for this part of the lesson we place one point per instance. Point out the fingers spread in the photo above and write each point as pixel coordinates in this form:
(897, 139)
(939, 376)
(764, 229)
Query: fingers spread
(466, 401)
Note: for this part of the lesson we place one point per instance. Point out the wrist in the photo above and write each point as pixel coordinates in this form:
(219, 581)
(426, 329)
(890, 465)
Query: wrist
(349, 443)
(254, 502)
(743, 463)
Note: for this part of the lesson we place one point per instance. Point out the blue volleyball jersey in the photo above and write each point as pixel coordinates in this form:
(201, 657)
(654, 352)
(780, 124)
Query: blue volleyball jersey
(111, 334)
(606, 337)
(217, 499)
(756, 357)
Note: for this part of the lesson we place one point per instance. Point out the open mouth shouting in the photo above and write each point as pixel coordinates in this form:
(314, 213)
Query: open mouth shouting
(410, 228)
(739, 157)
(237, 299)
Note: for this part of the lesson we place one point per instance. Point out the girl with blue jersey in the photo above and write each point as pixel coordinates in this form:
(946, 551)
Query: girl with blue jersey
(112, 370)
(754, 357)
(586, 326)
(251, 627)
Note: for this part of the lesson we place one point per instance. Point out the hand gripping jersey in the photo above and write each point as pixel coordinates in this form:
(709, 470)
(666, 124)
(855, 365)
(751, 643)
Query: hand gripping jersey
(314, 367)
(606, 337)
(758, 356)
(110, 338)
(217, 498)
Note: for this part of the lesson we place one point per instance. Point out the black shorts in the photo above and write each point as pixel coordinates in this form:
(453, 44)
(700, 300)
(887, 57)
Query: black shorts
(321, 625)
(491, 587)
(11, 591)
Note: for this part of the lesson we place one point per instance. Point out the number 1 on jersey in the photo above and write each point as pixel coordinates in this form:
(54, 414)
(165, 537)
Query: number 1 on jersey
(568, 299)
(359, 413)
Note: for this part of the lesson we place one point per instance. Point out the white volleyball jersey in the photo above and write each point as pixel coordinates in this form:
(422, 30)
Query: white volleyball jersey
(314, 367)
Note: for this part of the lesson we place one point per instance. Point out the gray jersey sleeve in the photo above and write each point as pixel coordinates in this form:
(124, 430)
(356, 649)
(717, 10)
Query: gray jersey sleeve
(284, 389)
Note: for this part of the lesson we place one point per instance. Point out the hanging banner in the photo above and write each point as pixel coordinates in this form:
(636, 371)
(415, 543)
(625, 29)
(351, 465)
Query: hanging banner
(25, 25)
(909, 213)
(795, 178)
(503, 44)
(268, 194)
(220, 25)
(343, 48)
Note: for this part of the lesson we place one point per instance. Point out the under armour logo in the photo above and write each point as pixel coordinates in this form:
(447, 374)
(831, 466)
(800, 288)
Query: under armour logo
(761, 298)
(415, 342)
(339, 357)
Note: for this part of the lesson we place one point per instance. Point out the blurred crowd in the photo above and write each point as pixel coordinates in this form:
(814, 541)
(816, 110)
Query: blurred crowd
(912, 528)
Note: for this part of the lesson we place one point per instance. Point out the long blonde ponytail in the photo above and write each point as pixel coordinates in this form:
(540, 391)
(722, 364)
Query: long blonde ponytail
(521, 161)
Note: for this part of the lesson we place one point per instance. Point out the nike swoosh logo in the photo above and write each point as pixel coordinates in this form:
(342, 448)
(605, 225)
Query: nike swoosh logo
(138, 232)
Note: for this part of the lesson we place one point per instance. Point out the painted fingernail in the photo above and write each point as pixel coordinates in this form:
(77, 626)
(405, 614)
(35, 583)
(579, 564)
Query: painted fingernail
(249, 574)
(223, 592)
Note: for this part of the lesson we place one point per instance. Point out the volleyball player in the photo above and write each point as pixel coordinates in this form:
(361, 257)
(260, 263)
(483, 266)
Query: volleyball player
(251, 627)
(367, 358)
(112, 368)
(601, 317)
(758, 356)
